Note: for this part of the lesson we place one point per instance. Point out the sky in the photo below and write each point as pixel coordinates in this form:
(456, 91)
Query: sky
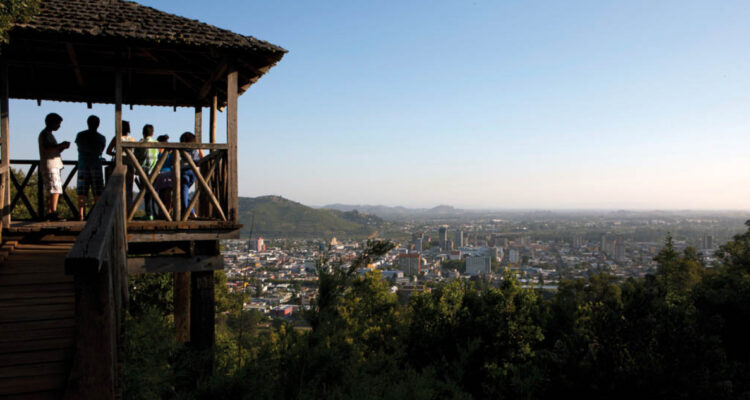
(478, 104)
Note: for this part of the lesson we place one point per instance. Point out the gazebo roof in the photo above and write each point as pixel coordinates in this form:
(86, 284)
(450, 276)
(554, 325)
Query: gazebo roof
(71, 50)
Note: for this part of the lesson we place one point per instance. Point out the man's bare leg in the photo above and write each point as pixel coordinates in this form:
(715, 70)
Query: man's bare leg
(81, 206)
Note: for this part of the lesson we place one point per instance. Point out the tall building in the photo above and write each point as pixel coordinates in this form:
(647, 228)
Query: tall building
(493, 253)
(258, 244)
(603, 245)
(514, 256)
(418, 245)
(459, 238)
(478, 265)
(708, 242)
(619, 249)
(411, 264)
(443, 236)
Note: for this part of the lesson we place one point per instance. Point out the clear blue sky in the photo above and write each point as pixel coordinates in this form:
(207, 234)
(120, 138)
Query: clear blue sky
(507, 104)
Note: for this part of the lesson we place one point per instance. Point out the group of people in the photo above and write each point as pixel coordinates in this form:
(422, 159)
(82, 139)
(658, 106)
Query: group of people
(91, 145)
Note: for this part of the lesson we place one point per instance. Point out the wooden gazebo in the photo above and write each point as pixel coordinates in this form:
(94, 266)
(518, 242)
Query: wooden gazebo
(122, 53)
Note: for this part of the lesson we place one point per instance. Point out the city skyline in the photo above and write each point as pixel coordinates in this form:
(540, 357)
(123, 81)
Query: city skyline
(479, 105)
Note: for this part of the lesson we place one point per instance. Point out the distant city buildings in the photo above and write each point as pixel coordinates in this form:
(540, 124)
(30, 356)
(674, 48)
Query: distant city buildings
(459, 238)
(480, 265)
(443, 237)
(411, 263)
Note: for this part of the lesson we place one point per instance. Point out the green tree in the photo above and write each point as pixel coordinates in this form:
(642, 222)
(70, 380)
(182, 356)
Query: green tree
(15, 11)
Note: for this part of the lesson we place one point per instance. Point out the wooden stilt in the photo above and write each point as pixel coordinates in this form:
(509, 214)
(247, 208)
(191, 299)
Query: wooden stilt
(182, 306)
(4, 136)
(232, 194)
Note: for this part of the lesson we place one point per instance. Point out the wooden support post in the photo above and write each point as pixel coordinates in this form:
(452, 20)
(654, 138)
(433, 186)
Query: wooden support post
(118, 118)
(198, 124)
(212, 126)
(93, 371)
(232, 196)
(4, 132)
(42, 206)
(177, 186)
(182, 306)
(202, 317)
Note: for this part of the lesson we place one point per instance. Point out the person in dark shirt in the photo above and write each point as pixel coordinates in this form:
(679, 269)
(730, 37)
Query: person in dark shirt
(91, 145)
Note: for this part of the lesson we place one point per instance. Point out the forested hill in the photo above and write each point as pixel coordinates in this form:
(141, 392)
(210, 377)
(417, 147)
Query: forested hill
(275, 216)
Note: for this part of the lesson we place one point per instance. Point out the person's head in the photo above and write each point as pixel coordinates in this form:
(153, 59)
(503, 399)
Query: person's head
(148, 130)
(163, 138)
(187, 137)
(125, 128)
(53, 121)
(93, 122)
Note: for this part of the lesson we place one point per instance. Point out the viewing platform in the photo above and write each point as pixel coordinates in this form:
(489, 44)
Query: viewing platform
(63, 284)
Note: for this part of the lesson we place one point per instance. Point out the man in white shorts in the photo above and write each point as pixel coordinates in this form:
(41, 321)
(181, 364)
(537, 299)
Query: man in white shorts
(51, 162)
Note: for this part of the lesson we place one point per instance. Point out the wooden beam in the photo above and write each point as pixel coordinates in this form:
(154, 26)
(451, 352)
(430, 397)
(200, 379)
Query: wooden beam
(181, 303)
(232, 195)
(212, 125)
(218, 73)
(183, 264)
(192, 234)
(177, 186)
(183, 146)
(198, 124)
(5, 144)
(74, 61)
(118, 118)
(202, 318)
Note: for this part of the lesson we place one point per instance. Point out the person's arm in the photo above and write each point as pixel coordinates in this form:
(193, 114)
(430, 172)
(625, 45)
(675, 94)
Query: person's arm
(111, 148)
(200, 153)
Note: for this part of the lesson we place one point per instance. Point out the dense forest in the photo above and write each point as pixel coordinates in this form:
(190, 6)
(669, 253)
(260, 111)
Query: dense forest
(676, 335)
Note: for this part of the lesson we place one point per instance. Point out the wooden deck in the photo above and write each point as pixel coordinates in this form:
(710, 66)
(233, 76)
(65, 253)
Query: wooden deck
(37, 320)
(138, 231)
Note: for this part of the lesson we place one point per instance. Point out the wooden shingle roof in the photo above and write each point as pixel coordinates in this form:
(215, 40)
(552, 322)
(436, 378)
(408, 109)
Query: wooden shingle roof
(118, 19)
(72, 49)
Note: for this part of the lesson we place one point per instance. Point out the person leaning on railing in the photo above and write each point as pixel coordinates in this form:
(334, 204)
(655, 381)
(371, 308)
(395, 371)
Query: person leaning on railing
(163, 183)
(148, 158)
(187, 175)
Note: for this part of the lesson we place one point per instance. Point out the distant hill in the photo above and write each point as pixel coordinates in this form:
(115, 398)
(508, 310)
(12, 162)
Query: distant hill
(275, 216)
(398, 213)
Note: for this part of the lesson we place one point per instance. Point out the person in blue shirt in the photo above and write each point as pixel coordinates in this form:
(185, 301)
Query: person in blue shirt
(91, 145)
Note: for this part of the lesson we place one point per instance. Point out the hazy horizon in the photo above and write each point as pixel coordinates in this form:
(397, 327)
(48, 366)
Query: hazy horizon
(533, 105)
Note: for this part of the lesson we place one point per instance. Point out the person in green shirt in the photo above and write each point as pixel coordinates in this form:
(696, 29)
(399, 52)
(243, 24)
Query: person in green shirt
(147, 159)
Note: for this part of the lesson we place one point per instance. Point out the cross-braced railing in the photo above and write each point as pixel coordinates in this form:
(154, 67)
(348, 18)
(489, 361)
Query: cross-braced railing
(37, 211)
(210, 195)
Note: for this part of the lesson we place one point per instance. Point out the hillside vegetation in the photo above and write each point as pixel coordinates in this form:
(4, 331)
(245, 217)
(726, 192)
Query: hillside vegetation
(275, 216)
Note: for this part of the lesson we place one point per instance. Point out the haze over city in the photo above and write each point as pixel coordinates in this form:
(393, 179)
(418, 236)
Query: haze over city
(479, 104)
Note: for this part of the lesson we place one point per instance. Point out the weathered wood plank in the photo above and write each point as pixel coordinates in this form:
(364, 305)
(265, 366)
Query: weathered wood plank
(173, 146)
(90, 250)
(181, 305)
(232, 194)
(5, 144)
(27, 384)
(32, 357)
(24, 345)
(7, 329)
(36, 334)
(138, 265)
(16, 371)
(176, 236)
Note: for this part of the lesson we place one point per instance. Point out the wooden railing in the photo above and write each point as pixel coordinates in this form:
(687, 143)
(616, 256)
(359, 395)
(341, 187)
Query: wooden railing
(37, 211)
(211, 184)
(99, 266)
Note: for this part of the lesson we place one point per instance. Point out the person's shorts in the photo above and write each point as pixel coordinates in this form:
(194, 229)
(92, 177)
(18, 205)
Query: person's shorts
(52, 181)
(90, 178)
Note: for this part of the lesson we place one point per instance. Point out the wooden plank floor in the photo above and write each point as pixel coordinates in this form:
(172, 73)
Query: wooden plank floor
(37, 321)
